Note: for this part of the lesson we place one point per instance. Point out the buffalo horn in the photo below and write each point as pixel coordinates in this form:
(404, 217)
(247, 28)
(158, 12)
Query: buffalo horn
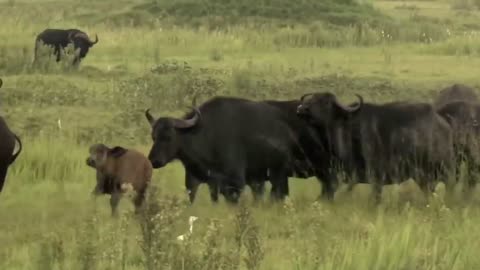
(149, 117)
(181, 123)
(93, 42)
(305, 96)
(352, 108)
(85, 37)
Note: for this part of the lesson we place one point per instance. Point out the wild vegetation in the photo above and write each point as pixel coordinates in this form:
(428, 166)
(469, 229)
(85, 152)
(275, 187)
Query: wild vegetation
(165, 54)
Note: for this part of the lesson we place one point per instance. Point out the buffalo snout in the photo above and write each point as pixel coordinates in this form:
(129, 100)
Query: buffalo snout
(156, 163)
(90, 162)
(156, 157)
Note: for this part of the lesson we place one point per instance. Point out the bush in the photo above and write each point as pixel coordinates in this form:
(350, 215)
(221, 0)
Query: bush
(342, 12)
(169, 86)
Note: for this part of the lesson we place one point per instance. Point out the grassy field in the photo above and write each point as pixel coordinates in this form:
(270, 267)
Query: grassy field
(160, 54)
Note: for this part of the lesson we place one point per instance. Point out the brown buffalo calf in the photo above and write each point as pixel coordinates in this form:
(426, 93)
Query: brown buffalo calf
(117, 168)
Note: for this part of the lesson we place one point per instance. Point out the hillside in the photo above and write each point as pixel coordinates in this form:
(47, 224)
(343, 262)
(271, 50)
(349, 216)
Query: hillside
(341, 12)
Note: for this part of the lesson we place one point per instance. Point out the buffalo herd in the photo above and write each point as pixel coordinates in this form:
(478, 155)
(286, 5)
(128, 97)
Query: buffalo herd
(230, 142)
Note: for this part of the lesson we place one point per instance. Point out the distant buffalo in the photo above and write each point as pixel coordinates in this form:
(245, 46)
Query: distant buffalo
(384, 142)
(227, 140)
(455, 92)
(59, 39)
(7, 147)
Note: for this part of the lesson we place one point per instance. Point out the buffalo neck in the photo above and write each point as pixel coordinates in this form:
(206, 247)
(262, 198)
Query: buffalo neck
(190, 152)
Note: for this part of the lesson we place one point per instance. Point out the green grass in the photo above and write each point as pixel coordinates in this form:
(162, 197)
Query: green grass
(49, 221)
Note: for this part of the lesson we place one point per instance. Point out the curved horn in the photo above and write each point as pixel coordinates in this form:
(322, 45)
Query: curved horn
(306, 95)
(353, 108)
(87, 38)
(93, 42)
(188, 123)
(149, 117)
(14, 156)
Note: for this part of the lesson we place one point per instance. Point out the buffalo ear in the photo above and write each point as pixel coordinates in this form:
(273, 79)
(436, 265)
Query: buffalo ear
(117, 151)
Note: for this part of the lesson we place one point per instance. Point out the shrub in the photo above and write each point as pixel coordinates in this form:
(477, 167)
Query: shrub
(342, 12)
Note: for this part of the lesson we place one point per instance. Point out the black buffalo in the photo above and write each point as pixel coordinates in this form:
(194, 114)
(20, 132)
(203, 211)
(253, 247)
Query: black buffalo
(311, 158)
(227, 140)
(7, 146)
(464, 118)
(314, 157)
(385, 143)
(453, 93)
(59, 39)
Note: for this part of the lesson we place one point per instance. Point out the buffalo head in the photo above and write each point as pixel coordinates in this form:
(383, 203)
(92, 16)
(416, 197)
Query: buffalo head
(323, 108)
(165, 136)
(81, 43)
(99, 153)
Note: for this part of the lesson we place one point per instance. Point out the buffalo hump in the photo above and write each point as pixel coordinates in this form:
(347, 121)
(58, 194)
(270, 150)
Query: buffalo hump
(455, 92)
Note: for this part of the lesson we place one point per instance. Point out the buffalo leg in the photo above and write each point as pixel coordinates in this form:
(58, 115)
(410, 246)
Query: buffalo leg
(231, 192)
(473, 171)
(217, 184)
(114, 200)
(58, 52)
(377, 186)
(232, 186)
(258, 189)
(279, 180)
(328, 191)
(138, 200)
(191, 184)
(351, 181)
(76, 61)
(328, 186)
(3, 175)
(377, 192)
(213, 188)
(102, 186)
(427, 187)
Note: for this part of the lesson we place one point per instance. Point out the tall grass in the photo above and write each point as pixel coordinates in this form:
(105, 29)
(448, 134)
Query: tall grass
(46, 225)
